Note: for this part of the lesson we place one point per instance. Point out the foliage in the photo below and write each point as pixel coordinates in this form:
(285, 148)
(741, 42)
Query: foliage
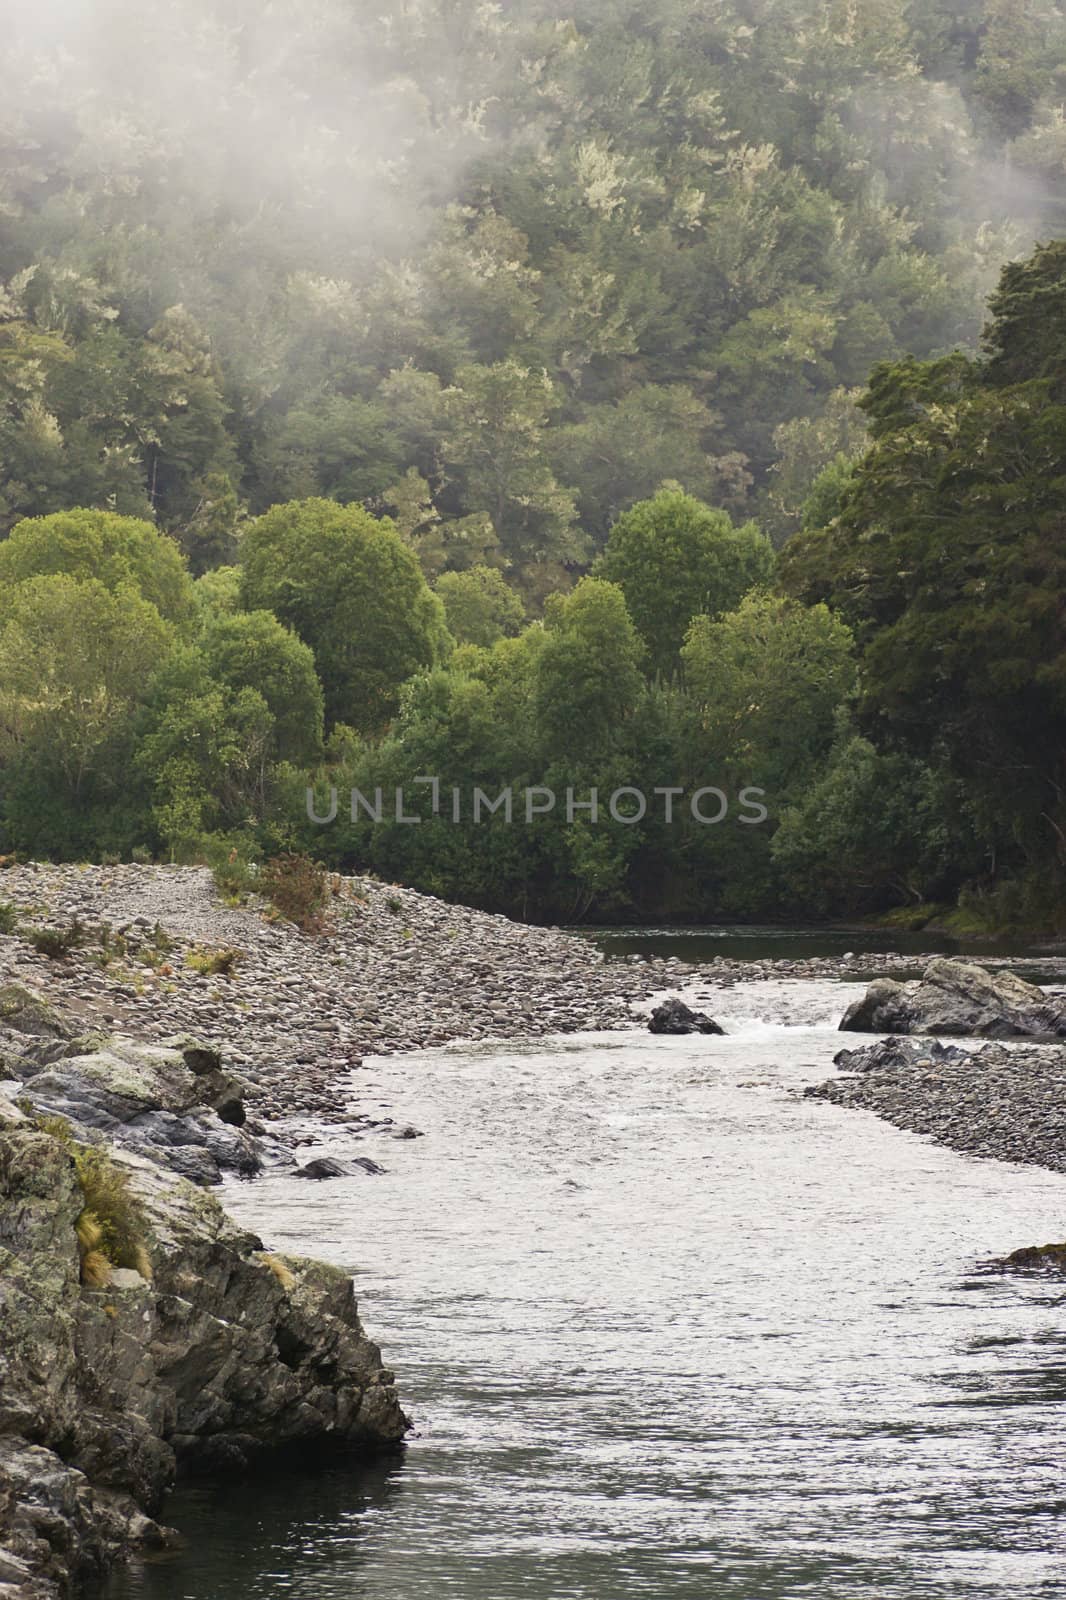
(113, 1217)
(675, 559)
(111, 1228)
(213, 963)
(120, 553)
(479, 605)
(351, 590)
(297, 887)
(55, 942)
(947, 556)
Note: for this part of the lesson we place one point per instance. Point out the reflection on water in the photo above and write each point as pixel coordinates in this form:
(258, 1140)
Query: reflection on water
(667, 1330)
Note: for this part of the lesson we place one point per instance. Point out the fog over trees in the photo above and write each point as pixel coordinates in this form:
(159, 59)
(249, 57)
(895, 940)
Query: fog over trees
(411, 362)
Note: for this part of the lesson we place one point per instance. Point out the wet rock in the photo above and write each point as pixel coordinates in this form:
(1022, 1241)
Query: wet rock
(323, 1167)
(675, 1017)
(897, 1054)
(1048, 1259)
(959, 998)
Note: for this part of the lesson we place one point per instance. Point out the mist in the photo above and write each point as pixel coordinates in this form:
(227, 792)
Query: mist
(702, 224)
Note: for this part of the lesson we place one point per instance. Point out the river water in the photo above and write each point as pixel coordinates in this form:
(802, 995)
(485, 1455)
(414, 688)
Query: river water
(666, 1329)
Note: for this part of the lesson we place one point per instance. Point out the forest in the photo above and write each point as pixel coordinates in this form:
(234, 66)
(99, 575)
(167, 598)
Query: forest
(657, 396)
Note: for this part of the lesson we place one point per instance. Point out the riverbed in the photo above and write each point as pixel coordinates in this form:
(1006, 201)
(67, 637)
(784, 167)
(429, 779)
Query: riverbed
(666, 1329)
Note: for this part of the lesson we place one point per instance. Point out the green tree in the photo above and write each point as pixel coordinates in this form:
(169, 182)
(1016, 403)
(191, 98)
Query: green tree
(588, 679)
(675, 558)
(768, 679)
(495, 441)
(205, 753)
(252, 650)
(349, 587)
(76, 659)
(108, 549)
(620, 453)
(479, 605)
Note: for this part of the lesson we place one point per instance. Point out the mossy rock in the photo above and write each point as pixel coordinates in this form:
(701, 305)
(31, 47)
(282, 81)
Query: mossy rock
(1046, 1257)
(26, 1012)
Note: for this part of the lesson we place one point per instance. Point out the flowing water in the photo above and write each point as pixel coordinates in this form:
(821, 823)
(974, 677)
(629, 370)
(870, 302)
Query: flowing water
(666, 1330)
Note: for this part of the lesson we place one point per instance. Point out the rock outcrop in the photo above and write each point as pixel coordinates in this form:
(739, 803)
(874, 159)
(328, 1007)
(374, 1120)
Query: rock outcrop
(961, 999)
(675, 1017)
(214, 1352)
(899, 1055)
(172, 1101)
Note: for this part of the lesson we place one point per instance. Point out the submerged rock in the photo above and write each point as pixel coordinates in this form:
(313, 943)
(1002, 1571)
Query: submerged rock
(674, 1016)
(323, 1167)
(958, 998)
(1049, 1259)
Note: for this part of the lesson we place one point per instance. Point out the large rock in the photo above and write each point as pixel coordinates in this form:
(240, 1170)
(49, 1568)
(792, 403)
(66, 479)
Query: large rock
(899, 1055)
(958, 998)
(226, 1354)
(674, 1016)
(173, 1101)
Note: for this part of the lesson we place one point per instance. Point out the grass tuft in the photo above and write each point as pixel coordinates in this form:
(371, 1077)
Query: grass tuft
(211, 963)
(283, 1273)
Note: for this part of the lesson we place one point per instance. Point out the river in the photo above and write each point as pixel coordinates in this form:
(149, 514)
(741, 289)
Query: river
(666, 1329)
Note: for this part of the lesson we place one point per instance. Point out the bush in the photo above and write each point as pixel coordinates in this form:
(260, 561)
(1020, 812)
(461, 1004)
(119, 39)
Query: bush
(232, 872)
(9, 916)
(298, 887)
(55, 942)
(211, 963)
(112, 1214)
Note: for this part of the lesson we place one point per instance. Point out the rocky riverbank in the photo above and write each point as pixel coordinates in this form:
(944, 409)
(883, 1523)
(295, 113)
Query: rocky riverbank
(140, 1329)
(393, 970)
(992, 1100)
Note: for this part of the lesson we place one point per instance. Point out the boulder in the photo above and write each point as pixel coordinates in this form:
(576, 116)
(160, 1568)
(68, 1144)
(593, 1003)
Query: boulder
(323, 1167)
(898, 1055)
(327, 1167)
(224, 1355)
(173, 1100)
(674, 1016)
(961, 999)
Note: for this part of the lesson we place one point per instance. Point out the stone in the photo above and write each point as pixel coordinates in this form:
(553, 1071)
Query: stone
(673, 1016)
(958, 998)
(898, 1055)
(227, 1354)
(323, 1167)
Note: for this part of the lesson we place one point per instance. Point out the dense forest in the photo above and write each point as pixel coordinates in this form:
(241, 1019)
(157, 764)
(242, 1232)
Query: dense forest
(584, 399)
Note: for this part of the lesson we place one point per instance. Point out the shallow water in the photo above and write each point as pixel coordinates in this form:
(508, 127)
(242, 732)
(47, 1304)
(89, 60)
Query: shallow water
(746, 942)
(666, 1330)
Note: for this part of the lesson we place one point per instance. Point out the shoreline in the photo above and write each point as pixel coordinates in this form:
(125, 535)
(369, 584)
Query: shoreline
(395, 970)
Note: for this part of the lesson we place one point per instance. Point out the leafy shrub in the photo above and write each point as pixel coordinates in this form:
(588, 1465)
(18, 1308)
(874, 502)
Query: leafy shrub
(234, 878)
(212, 963)
(298, 887)
(55, 942)
(8, 917)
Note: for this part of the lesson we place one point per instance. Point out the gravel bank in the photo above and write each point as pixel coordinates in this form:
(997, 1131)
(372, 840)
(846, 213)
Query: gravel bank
(1006, 1102)
(395, 970)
